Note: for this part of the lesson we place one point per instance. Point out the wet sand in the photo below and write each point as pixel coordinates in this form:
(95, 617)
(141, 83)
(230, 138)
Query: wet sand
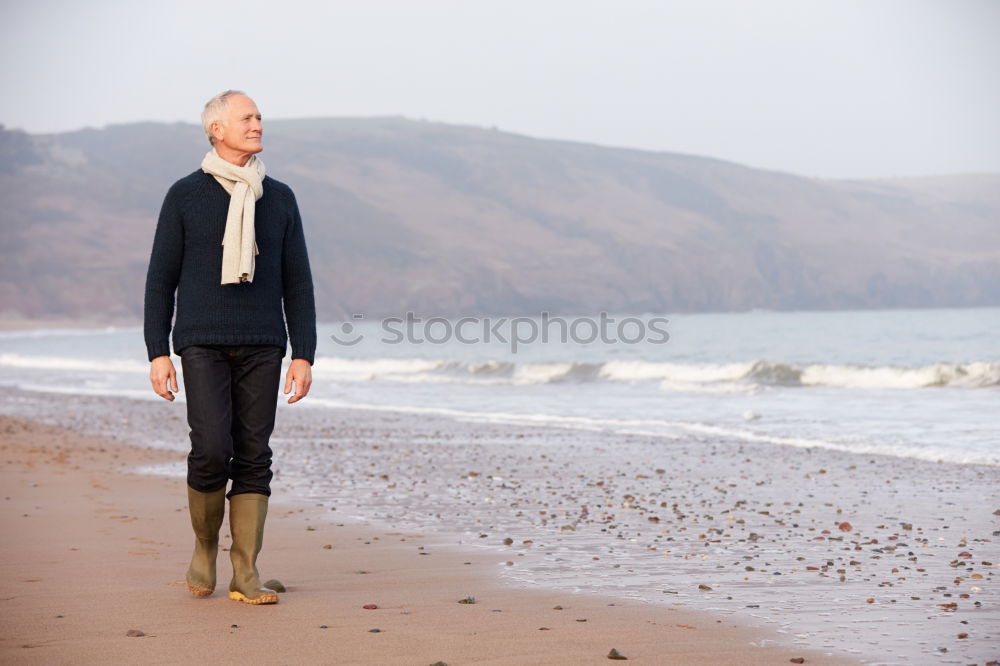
(818, 552)
(92, 552)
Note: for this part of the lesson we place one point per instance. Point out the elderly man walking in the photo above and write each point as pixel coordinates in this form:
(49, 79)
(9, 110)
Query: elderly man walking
(229, 242)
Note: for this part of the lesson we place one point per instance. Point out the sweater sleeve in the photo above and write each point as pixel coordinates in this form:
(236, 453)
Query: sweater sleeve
(163, 275)
(299, 304)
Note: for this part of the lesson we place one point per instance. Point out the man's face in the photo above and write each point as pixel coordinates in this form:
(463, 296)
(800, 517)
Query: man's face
(241, 131)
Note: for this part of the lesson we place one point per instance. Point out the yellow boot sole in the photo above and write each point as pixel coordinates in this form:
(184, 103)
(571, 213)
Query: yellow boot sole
(271, 598)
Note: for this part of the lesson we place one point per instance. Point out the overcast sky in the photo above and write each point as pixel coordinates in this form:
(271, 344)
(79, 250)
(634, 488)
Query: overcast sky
(838, 89)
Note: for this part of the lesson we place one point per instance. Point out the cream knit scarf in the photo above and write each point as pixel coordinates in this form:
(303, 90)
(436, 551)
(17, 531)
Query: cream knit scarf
(245, 185)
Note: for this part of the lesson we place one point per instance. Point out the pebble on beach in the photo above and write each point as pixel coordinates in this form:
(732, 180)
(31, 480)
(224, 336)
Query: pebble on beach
(729, 511)
(615, 654)
(275, 585)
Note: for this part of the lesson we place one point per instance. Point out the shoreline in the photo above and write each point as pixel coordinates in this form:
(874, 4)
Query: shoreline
(759, 526)
(101, 550)
(29, 325)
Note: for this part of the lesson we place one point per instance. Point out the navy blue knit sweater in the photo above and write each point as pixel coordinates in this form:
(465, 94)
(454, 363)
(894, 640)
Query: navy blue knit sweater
(187, 258)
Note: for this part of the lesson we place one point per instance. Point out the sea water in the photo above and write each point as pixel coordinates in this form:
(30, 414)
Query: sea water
(913, 383)
(759, 541)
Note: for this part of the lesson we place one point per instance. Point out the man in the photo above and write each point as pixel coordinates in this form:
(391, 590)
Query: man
(229, 241)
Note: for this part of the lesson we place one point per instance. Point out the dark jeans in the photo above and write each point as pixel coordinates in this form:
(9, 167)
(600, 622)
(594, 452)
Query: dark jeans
(232, 394)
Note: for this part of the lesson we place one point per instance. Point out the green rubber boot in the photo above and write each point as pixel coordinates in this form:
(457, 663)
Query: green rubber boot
(247, 512)
(207, 511)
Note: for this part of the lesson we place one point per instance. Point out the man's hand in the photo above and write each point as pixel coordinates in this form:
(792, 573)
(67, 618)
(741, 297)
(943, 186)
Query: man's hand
(163, 377)
(300, 374)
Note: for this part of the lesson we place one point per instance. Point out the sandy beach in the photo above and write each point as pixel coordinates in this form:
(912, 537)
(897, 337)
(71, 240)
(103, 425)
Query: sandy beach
(567, 556)
(93, 552)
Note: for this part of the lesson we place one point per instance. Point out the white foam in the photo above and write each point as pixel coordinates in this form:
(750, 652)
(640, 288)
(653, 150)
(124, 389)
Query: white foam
(70, 363)
(969, 375)
(675, 429)
(689, 373)
(372, 369)
(103, 391)
(35, 333)
(746, 377)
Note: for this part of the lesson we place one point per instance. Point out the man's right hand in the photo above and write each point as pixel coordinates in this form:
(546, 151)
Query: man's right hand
(163, 377)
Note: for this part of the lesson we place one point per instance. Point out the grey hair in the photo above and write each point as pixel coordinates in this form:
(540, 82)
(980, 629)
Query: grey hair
(215, 110)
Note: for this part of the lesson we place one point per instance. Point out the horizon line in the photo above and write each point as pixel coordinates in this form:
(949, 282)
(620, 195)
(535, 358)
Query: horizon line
(495, 128)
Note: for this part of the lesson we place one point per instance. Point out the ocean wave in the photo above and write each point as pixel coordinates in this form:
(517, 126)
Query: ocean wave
(695, 377)
(70, 363)
(36, 333)
(679, 430)
(671, 377)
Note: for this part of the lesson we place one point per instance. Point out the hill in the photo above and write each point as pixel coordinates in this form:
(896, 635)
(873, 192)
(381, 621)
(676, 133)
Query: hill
(452, 220)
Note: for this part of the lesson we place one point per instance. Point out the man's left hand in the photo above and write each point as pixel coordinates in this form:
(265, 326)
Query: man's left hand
(300, 374)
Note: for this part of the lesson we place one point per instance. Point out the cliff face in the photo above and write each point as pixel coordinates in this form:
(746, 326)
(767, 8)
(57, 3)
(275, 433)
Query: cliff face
(451, 220)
